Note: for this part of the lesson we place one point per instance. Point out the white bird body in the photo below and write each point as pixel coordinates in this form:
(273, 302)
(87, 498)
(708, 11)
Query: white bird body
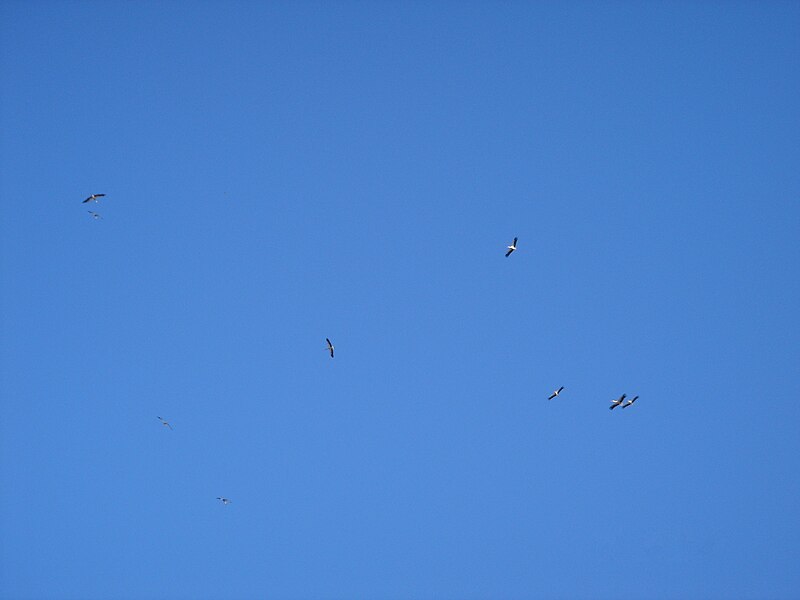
(556, 393)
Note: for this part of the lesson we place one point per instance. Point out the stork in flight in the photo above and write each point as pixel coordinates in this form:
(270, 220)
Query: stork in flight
(629, 402)
(225, 501)
(330, 346)
(165, 423)
(512, 247)
(95, 215)
(617, 402)
(93, 197)
(556, 393)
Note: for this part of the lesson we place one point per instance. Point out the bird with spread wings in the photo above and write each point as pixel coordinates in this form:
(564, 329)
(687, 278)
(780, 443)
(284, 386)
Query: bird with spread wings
(512, 247)
(629, 402)
(617, 402)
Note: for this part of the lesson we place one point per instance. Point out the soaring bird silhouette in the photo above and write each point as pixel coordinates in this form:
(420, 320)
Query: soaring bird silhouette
(93, 197)
(616, 403)
(512, 247)
(629, 402)
(330, 347)
(225, 501)
(164, 423)
(556, 393)
(95, 215)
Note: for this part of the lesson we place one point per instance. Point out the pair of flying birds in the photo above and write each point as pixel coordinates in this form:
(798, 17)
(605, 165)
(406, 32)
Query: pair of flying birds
(94, 198)
(225, 501)
(511, 249)
(620, 400)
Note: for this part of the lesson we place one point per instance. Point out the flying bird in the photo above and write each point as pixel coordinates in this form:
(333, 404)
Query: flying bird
(165, 423)
(512, 247)
(225, 501)
(94, 214)
(556, 393)
(330, 347)
(616, 403)
(93, 197)
(629, 402)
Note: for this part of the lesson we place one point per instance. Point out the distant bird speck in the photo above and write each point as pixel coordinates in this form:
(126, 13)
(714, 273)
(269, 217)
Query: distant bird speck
(512, 247)
(164, 423)
(556, 393)
(330, 347)
(95, 215)
(93, 197)
(225, 501)
(617, 402)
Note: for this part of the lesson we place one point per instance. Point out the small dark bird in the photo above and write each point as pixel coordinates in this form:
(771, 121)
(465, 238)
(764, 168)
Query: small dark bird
(512, 247)
(164, 423)
(93, 197)
(330, 347)
(95, 215)
(556, 393)
(629, 402)
(616, 403)
(225, 501)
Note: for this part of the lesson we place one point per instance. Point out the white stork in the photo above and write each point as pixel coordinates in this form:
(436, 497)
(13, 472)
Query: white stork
(617, 402)
(629, 402)
(512, 247)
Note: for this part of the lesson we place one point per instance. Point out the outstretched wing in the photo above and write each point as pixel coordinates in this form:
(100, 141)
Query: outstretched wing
(552, 396)
(509, 252)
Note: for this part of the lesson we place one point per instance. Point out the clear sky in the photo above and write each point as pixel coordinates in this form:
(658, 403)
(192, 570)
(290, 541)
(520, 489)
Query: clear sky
(278, 173)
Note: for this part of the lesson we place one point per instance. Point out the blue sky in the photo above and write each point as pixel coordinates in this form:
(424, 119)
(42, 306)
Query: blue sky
(279, 173)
